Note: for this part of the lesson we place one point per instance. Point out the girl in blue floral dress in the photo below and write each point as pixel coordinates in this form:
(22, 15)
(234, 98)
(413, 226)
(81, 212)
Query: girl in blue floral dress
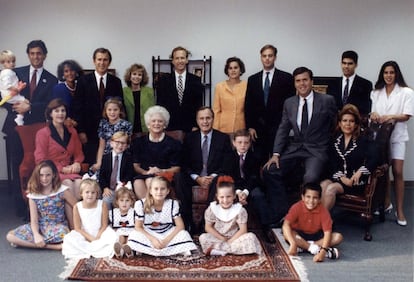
(47, 199)
(113, 121)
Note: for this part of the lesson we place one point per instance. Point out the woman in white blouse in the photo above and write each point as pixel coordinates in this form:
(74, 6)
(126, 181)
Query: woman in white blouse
(393, 101)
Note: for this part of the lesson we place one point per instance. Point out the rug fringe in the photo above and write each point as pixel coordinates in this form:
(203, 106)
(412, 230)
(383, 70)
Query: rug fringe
(69, 267)
(296, 260)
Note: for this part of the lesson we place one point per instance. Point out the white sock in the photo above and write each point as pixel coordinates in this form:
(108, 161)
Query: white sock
(313, 249)
(215, 252)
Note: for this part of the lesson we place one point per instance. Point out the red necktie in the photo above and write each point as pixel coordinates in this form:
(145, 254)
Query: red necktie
(33, 83)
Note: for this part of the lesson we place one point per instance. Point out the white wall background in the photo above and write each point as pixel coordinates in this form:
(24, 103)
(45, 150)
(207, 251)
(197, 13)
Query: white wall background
(309, 33)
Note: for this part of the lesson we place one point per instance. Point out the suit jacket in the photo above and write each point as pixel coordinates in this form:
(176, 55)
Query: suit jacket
(359, 95)
(251, 170)
(317, 135)
(182, 117)
(263, 118)
(220, 149)
(126, 170)
(39, 101)
(47, 148)
(87, 106)
(146, 100)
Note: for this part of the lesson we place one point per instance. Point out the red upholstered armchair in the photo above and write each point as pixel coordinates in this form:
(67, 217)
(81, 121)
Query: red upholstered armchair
(27, 134)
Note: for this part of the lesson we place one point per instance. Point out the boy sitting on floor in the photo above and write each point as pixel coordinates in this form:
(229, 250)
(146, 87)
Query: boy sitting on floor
(308, 225)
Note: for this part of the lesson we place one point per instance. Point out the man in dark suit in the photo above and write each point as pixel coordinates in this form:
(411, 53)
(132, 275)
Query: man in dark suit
(358, 90)
(311, 117)
(181, 93)
(264, 101)
(204, 153)
(92, 91)
(39, 85)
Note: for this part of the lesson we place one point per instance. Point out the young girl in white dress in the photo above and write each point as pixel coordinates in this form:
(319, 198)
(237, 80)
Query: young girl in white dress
(92, 236)
(47, 200)
(122, 219)
(159, 228)
(226, 224)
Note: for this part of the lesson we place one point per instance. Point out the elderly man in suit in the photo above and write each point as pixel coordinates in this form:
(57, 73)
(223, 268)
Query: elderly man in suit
(181, 93)
(37, 94)
(352, 89)
(204, 153)
(311, 117)
(92, 91)
(265, 94)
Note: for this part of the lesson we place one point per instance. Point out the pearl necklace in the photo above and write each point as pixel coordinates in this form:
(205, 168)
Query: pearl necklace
(71, 89)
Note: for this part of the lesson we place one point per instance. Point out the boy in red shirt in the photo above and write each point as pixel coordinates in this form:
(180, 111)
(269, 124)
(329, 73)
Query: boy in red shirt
(308, 225)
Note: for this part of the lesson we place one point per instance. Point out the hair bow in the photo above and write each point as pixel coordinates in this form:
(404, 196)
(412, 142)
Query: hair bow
(88, 176)
(127, 185)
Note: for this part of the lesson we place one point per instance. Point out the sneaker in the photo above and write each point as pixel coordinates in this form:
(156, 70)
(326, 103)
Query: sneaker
(332, 253)
(313, 249)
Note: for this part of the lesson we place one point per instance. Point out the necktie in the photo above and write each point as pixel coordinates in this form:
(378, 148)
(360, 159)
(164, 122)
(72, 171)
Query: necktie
(266, 88)
(101, 90)
(114, 173)
(180, 89)
(241, 164)
(204, 153)
(33, 82)
(346, 92)
(304, 124)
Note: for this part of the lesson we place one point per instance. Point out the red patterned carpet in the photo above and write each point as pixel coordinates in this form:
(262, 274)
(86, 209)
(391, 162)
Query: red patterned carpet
(272, 265)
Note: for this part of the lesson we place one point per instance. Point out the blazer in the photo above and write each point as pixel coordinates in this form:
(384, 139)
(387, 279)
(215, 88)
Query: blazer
(47, 148)
(146, 99)
(220, 149)
(359, 95)
(317, 135)
(39, 101)
(182, 117)
(126, 169)
(87, 106)
(263, 118)
(251, 170)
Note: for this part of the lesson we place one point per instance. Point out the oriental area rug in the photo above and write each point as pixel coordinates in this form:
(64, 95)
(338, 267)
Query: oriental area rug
(273, 265)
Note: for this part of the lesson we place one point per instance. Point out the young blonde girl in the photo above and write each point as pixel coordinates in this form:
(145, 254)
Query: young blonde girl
(226, 224)
(113, 120)
(159, 228)
(10, 86)
(47, 199)
(92, 236)
(121, 217)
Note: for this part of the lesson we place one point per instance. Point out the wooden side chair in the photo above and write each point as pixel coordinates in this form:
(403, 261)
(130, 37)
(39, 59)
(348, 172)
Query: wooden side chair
(373, 197)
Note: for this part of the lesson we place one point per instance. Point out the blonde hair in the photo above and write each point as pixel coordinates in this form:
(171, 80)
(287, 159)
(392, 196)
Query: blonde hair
(6, 54)
(121, 134)
(86, 183)
(121, 192)
(117, 101)
(149, 200)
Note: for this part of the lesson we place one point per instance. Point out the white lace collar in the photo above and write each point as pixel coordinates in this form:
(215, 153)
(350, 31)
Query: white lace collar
(225, 214)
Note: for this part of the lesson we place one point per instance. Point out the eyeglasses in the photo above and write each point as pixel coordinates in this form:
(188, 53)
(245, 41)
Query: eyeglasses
(119, 143)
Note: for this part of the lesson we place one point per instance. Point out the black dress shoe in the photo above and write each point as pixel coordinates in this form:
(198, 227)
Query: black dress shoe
(269, 235)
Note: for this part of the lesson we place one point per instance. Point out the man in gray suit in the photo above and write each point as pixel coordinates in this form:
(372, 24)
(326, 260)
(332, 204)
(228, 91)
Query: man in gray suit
(311, 117)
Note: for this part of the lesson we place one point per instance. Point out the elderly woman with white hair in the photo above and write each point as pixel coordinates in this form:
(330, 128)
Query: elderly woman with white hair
(156, 152)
